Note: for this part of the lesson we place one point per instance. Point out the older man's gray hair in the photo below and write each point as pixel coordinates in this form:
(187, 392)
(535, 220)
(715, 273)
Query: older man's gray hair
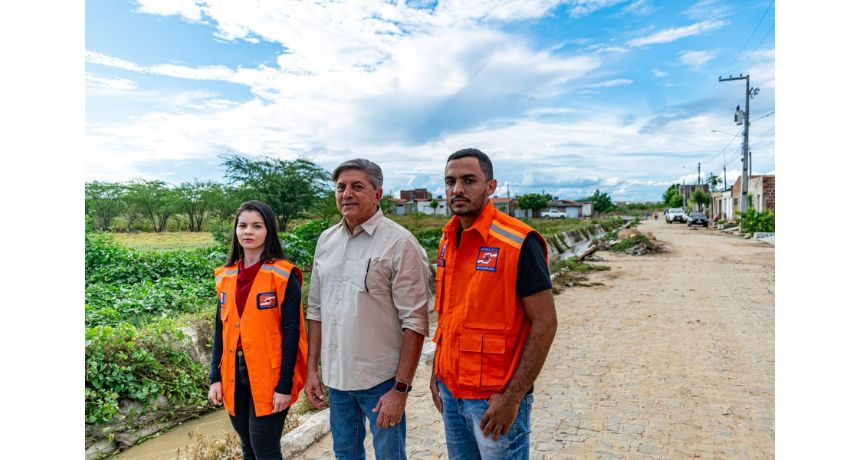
(374, 172)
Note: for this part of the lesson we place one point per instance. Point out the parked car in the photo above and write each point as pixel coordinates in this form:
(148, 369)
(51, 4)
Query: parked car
(697, 218)
(553, 214)
(675, 215)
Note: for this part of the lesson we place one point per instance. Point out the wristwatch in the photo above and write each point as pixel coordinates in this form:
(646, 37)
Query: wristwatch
(402, 387)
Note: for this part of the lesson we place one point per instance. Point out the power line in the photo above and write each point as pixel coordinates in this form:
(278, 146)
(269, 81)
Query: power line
(764, 116)
(751, 34)
(757, 47)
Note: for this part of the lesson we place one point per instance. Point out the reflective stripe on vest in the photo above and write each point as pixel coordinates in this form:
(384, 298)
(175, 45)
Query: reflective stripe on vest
(482, 323)
(260, 328)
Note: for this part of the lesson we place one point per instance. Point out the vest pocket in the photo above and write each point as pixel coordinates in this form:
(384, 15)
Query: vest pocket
(493, 361)
(482, 360)
(440, 289)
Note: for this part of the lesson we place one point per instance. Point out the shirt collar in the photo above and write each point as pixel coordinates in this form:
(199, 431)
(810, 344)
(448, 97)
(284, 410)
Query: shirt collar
(368, 226)
(481, 224)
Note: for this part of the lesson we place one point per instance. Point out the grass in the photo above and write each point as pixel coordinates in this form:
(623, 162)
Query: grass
(150, 241)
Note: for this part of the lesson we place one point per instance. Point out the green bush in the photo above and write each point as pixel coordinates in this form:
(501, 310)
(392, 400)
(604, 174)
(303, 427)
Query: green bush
(110, 304)
(300, 244)
(753, 221)
(125, 362)
(105, 261)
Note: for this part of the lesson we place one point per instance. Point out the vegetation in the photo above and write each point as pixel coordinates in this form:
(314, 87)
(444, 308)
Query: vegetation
(672, 197)
(291, 188)
(752, 221)
(533, 202)
(701, 198)
(632, 241)
(602, 202)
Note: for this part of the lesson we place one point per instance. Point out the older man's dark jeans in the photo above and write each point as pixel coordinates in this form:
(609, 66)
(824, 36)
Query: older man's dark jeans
(260, 436)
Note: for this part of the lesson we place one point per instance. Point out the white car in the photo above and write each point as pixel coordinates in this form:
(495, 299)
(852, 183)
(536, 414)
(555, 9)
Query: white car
(676, 215)
(553, 214)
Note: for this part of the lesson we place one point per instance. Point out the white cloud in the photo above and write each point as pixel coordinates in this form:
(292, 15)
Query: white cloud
(187, 9)
(95, 82)
(670, 35)
(696, 59)
(610, 83)
(658, 73)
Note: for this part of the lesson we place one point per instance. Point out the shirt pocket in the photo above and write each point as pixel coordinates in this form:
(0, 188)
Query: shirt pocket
(377, 278)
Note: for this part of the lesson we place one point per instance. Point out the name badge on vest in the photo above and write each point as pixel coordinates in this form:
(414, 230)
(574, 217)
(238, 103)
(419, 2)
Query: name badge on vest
(442, 252)
(222, 298)
(266, 300)
(487, 260)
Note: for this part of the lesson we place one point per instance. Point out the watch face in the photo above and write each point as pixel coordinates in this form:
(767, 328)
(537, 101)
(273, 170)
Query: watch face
(401, 387)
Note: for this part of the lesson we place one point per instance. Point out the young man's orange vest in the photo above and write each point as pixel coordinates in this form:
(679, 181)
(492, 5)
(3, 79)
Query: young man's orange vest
(260, 328)
(482, 324)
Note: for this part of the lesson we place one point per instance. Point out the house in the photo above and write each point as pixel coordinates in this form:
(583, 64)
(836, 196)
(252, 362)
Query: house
(762, 190)
(416, 194)
(721, 205)
(572, 209)
(505, 205)
(423, 205)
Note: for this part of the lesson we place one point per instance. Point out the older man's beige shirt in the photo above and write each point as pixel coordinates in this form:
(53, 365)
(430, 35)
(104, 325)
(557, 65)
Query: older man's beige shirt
(365, 289)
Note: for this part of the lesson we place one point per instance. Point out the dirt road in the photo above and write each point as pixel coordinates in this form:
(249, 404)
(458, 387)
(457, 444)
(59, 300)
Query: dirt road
(672, 357)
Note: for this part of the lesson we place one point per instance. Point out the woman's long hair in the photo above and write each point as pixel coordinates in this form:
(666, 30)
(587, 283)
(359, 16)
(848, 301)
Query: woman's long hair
(272, 249)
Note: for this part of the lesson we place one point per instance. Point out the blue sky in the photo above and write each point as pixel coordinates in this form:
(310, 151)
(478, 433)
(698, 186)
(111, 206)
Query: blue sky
(565, 96)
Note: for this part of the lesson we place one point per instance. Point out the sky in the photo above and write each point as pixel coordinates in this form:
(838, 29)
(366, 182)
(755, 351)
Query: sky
(564, 96)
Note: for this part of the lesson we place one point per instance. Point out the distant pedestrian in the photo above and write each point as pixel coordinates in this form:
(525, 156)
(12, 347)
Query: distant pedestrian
(497, 318)
(259, 350)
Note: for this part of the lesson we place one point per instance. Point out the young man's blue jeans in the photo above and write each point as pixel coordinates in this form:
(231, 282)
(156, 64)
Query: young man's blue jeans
(465, 438)
(348, 410)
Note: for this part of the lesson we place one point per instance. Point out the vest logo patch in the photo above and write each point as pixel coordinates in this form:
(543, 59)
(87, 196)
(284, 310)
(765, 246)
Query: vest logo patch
(442, 253)
(487, 260)
(267, 300)
(222, 298)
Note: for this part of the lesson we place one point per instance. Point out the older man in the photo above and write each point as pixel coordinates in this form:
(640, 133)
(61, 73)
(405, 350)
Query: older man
(367, 317)
(496, 317)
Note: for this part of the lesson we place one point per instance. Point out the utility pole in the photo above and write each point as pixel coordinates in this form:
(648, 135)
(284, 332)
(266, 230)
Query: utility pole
(699, 180)
(725, 178)
(746, 122)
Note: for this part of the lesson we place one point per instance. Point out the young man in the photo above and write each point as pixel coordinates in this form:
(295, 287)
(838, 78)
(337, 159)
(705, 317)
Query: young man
(496, 317)
(367, 317)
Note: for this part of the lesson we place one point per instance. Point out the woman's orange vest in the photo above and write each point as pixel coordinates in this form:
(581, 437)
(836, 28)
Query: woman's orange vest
(260, 328)
(482, 324)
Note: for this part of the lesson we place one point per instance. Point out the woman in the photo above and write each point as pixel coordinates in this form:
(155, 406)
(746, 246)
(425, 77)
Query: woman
(259, 353)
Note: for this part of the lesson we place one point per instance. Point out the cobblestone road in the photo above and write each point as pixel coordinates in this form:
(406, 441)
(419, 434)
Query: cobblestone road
(672, 357)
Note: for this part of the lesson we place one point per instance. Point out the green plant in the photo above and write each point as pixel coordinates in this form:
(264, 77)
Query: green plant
(127, 363)
(301, 243)
(752, 221)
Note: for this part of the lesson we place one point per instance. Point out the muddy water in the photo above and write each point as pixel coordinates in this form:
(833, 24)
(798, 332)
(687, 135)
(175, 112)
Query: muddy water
(165, 447)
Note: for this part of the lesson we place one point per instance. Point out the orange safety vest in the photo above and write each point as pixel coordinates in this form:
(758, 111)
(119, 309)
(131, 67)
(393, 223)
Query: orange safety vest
(482, 324)
(260, 328)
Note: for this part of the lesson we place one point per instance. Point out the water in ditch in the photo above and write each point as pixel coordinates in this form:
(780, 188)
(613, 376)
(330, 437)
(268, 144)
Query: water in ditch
(165, 446)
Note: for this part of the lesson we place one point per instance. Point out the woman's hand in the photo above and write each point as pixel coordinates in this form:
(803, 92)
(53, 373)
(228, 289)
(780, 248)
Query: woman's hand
(280, 402)
(215, 393)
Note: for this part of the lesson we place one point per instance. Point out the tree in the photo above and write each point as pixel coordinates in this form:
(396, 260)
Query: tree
(602, 202)
(291, 188)
(154, 200)
(701, 198)
(102, 203)
(713, 180)
(533, 201)
(434, 204)
(197, 199)
(672, 197)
